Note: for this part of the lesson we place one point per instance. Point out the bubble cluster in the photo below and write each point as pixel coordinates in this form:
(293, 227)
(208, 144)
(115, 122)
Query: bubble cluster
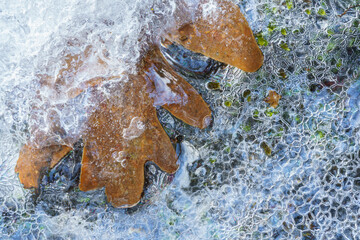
(259, 172)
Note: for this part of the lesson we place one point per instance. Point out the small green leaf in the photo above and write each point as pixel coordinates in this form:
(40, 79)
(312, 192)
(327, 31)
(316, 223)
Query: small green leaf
(339, 63)
(308, 11)
(284, 46)
(270, 112)
(84, 200)
(331, 46)
(271, 27)
(228, 103)
(356, 23)
(319, 134)
(247, 128)
(262, 41)
(351, 42)
(335, 71)
(283, 32)
(212, 160)
(330, 32)
(321, 12)
(289, 4)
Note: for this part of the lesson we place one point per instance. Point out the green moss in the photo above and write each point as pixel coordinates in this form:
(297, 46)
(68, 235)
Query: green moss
(283, 31)
(308, 11)
(212, 160)
(256, 113)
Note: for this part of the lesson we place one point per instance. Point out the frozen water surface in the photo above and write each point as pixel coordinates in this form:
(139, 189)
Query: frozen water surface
(292, 172)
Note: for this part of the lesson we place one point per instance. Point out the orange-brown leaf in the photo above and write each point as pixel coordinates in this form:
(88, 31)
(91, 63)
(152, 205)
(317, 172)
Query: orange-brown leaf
(123, 134)
(34, 162)
(173, 93)
(273, 99)
(224, 36)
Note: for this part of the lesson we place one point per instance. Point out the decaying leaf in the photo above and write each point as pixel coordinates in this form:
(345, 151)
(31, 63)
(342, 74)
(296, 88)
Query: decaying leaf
(273, 99)
(122, 131)
(266, 148)
(34, 162)
(225, 37)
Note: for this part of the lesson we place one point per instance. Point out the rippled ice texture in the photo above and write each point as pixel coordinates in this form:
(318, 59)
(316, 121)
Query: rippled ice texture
(227, 187)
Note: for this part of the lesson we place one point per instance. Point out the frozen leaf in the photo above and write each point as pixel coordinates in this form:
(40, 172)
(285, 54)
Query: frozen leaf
(234, 44)
(273, 99)
(122, 131)
(34, 162)
(266, 148)
(282, 73)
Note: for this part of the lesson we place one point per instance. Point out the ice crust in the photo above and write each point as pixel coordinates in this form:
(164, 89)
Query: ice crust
(226, 187)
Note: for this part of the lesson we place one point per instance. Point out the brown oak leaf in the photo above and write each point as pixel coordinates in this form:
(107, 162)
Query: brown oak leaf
(122, 132)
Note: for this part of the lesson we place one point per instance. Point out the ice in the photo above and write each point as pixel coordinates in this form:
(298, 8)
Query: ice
(227, 187)
(135, 129)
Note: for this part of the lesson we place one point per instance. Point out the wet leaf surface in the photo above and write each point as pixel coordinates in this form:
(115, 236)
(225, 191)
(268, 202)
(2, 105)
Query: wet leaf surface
(122, 131)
